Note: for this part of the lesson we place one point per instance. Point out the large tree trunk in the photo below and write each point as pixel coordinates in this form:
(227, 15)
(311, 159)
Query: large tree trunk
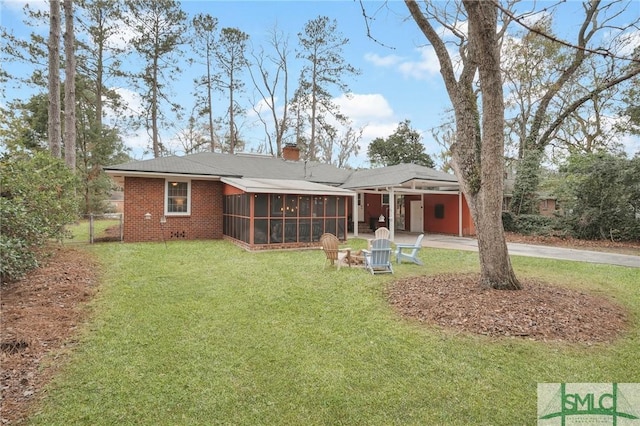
(69, 89)
(495, 264)
(478, 153)
(53, 124)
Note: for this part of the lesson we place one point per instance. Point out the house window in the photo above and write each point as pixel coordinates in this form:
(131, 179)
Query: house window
(439, 211)
(178, 198)
(385, 199)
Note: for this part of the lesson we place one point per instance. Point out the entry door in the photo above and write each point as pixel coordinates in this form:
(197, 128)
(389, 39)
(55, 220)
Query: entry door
(417, 216)
(360, 207)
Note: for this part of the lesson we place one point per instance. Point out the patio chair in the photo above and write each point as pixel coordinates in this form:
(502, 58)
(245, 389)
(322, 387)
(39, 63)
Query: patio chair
(382, 233)
(334, 254)
(410, 251)
(378, 258)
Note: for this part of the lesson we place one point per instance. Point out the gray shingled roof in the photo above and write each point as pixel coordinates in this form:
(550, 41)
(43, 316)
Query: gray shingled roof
(398, 175)
(266, 167)
(238, 165)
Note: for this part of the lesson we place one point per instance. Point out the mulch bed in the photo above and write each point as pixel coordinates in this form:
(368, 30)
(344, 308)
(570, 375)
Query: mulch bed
(40, 315)
(539, 311)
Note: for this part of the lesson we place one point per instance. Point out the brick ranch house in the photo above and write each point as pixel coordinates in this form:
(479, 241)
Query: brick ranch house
(262, 202)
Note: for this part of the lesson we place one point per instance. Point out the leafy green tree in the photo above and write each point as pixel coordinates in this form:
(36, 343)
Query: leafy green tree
(403, 146)
(25, 124)
(231, 58)
(100, 55)
(36, 202)
(97, 145)
(580, 78)
(324, 67)
(600, 193)
(30, 51)
(158, 28)
(204, 43)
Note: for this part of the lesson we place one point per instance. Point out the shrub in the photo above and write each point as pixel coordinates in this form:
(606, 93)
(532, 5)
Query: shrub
(36, 202)
(509, 222)
(533, 224)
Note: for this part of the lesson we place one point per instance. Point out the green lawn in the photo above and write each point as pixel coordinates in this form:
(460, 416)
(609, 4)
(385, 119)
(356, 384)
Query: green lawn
(81, 231)
(206, 333)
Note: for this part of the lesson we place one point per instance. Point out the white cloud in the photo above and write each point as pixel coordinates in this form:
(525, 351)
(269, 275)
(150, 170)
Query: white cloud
(364, 107)
(631, 145)
(382, 61)
(425, 68)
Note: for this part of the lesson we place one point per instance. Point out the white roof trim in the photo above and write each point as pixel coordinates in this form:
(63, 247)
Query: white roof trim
(163, 175)
(285, 186)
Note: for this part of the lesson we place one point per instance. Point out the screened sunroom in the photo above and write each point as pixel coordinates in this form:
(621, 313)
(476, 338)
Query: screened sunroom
(271, 213)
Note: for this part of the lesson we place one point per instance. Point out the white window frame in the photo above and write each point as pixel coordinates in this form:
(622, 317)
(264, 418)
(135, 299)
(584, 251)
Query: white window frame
(166, 197)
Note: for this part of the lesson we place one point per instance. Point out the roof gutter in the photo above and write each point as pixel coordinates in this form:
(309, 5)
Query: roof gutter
(129, 173)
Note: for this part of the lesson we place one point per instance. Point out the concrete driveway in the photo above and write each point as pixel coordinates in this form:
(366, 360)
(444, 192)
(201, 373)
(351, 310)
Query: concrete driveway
(518, 249)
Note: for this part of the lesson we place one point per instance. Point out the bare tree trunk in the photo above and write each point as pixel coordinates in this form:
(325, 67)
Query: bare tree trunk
(478, 153)
(495, 264)
(69, 89)
(155, 137)
(232, 124)
(210, 102)
(54, 79)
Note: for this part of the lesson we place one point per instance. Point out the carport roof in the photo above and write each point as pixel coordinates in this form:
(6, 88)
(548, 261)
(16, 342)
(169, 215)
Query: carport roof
(409, 176)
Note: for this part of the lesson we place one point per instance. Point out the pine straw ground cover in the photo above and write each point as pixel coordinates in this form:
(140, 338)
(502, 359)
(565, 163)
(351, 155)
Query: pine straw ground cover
(42, 313)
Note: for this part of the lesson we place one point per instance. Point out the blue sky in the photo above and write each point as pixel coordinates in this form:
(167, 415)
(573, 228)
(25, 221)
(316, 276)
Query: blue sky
(399, 78)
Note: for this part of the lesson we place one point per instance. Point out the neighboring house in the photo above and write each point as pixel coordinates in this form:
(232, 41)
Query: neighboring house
(547, 204)
(116, 202)
(265, 202)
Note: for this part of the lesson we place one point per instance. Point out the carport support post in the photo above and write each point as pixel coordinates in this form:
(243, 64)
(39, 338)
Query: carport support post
(392, 213)
(459, 213)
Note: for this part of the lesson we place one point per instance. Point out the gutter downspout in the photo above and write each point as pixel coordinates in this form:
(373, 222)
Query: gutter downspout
(459, 213)
(392, 213)
(354, 214)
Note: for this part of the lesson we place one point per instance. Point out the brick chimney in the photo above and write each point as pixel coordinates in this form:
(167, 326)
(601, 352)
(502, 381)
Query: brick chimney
(291, 153)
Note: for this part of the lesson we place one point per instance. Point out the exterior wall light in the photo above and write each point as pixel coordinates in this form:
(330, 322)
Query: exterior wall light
(147, 216)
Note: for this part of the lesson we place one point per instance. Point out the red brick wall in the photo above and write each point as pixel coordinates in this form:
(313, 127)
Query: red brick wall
(146, 195)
